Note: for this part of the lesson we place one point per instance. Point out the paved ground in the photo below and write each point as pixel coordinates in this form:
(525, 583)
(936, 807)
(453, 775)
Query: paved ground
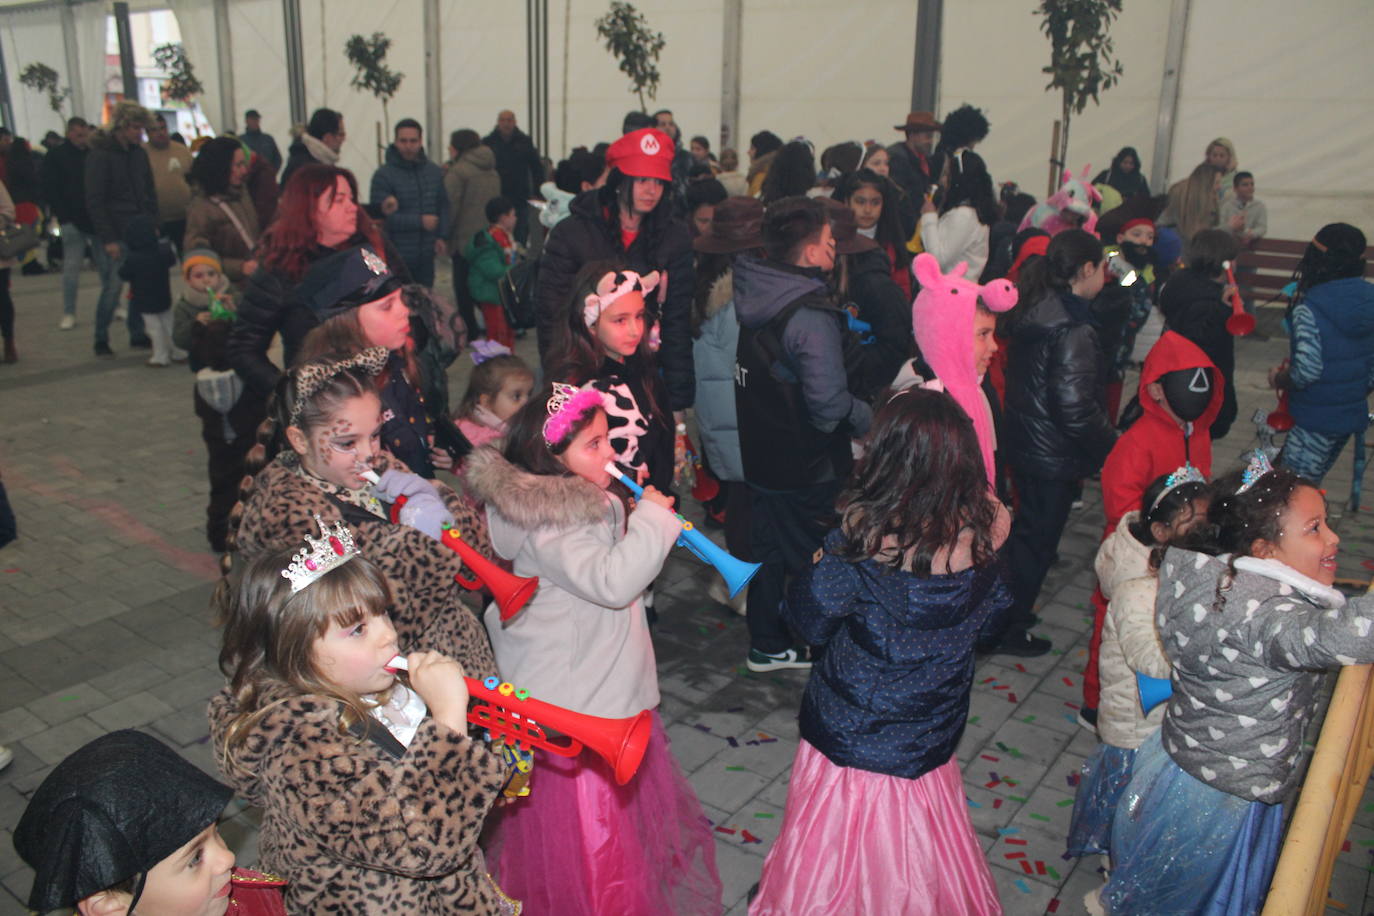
(103, 625)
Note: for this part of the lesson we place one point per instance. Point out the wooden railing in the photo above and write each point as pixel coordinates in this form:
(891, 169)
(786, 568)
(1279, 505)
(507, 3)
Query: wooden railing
(1332, 791)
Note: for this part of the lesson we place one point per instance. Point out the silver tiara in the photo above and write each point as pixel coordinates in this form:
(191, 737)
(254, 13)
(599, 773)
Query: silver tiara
(1259, 466)
(330, 551)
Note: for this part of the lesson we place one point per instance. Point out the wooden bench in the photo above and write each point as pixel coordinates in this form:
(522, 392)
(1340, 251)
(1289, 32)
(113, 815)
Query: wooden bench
(1266, 267)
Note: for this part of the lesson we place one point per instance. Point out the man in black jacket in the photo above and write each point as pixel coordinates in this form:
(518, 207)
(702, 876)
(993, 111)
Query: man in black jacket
(119, 187)
(796, 414)
(629, 221)
(910, 165)
(64, 186)
(518, 164)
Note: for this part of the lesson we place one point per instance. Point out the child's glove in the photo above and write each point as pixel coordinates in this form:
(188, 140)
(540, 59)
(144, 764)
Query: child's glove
(424, 510)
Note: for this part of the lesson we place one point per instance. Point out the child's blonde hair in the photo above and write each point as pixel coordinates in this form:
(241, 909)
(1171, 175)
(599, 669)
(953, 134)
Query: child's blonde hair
(269, 634)
(489, 378)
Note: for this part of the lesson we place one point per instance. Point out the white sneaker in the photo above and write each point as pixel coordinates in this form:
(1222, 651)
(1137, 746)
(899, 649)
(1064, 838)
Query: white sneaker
(67, 323)
(6, 756)
(120, 313)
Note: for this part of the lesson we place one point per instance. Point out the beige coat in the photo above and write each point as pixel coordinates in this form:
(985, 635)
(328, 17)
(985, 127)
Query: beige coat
(1129, 641)
(170, 168)
(209, 226)
(470, 182)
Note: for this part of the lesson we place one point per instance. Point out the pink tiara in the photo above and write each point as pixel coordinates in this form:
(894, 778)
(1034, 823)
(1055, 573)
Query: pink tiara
(566, 407)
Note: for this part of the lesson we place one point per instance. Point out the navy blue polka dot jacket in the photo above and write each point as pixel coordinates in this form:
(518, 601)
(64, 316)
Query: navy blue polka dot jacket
(890, 693)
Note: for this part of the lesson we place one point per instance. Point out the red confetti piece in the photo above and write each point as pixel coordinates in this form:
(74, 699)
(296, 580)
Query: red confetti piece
(1345, 847)
(1011, 698)
(1014, 855)
(749, 837)
(1020, 667)
(992, 785)
(1073, 706)
(1026, 867)
(1054, 905)
(1015, 841)
(1039, 867)
(725, 830)
(997, 803)
(1002, 687)
(990, 757)
(1067, 682)
(988, 680)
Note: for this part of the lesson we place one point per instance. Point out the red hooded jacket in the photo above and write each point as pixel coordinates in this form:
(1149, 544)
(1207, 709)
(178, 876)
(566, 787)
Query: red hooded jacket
(1154, 444)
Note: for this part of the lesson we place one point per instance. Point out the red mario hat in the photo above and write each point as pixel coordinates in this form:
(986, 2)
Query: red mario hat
(644, 153)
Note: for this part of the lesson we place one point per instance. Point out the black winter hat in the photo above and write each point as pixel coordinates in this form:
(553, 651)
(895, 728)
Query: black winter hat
(346, 280)
(111, 811)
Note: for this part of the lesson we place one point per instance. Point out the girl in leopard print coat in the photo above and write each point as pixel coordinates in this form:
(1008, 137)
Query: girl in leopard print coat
(322, 425)
(373, 792)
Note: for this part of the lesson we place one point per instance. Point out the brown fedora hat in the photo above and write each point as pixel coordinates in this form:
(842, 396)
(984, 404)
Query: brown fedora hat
(845, 229)
(736, 225)
(919, 120)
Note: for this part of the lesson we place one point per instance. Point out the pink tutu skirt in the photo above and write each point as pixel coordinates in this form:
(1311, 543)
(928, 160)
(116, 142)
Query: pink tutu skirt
(853, 841)
(579, 845)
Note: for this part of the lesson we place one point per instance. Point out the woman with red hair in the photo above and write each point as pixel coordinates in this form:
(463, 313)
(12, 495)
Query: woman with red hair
(318, 216)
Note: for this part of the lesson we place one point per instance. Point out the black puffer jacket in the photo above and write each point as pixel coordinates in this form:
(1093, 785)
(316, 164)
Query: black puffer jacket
(271, 305)
(884, 306)
(1056, 425)
(591, 232)
(119, 186)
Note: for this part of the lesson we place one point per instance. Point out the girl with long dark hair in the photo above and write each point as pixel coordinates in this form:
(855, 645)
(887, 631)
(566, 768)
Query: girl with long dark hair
(958, 230)
(898, 596)
(1056, 420)
(875, 200)
(318, 216)
(792, 173)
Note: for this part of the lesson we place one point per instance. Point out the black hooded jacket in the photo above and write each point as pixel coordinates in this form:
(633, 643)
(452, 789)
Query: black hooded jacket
(591, 232)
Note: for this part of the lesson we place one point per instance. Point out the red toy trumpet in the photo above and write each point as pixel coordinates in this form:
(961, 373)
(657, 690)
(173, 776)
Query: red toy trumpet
(510, 713)
(1279, 419)
(511, 592)
(1240, 323)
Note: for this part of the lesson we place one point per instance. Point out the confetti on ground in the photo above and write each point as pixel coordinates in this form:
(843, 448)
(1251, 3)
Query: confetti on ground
(973, 720)
(749, 837)
(1053, 874)
(1054, 905)
(732, 742)
(1002, 687)
(1026, 867)
(997, 803)
(990, 757)
(1020, 667)
(1039, 817)
(1073, 706)
(766, 815)
(702, 630)
(1025, 888)
(1011, 698)
(702, 728)
(1064, 803)
(735, 768)
(972, 803)
(1015, 841)
(1028, 719)
(1039, 867)
(1017, 798)
(1345, 847)
(1072, 719)
(68, 698)
(1014, 855)
(1067, 682)
(988, 680)
(1007, 831)
(729, 830)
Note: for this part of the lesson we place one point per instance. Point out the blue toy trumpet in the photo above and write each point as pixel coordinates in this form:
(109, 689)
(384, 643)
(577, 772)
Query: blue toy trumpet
(1153, 690)
(736, 573)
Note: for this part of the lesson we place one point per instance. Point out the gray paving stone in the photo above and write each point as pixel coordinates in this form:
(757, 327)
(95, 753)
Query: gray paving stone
(132, 711)
(68, 703)
(52, 745)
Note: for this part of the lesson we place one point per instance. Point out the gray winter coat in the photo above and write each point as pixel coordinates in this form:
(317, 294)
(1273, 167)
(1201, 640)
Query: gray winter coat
(582, 641)
(1247, 666)
(418, 187)
(714, 356)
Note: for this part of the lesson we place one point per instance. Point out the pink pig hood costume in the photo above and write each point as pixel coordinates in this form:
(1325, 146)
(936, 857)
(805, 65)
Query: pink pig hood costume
(942, 321)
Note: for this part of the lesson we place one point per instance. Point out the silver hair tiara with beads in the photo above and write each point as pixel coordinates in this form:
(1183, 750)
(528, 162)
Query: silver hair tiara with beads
(1259, 466)
(330, 551)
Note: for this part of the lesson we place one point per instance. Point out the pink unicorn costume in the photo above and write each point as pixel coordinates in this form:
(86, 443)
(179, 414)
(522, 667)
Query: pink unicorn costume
(1076, 195)
(942, 321)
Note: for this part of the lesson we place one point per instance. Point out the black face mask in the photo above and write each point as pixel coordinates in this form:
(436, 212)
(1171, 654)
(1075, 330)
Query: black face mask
(1138, 256)
(1187, 392)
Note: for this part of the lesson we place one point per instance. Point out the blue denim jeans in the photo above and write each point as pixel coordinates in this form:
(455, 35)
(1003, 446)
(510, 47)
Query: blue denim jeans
(73, 258)
(110, 288)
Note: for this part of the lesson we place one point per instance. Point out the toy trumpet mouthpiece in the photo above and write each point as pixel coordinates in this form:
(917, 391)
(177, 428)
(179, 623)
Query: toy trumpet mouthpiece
(398, 663)
(613, 470)
(370, 476)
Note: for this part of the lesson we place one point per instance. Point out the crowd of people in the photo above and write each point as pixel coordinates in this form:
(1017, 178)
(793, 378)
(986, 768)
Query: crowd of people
(900, 376)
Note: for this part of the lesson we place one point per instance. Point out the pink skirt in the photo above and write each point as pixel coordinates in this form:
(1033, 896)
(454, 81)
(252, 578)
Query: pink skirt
(853, 841)
(579, 845)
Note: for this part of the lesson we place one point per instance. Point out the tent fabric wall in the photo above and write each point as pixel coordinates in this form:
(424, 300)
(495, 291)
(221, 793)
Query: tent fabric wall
(33, 36)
